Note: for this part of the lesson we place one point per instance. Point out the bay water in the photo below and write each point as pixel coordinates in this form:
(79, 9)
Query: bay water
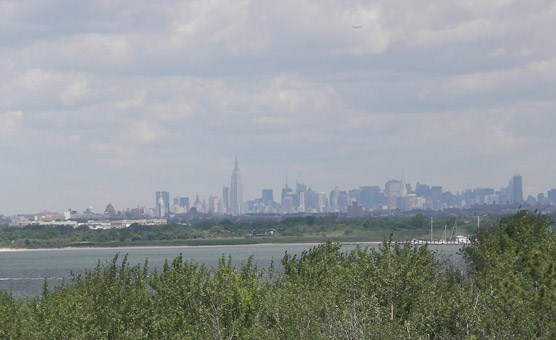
(22, 272)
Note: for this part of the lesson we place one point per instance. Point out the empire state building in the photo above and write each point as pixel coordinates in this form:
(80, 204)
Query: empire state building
(236, 192)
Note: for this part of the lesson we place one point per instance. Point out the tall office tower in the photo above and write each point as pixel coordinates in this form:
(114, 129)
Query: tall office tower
(165, 196)
(198, 205)
(220, 206)
(436, 195)
(286, 201)
(394, 190)
(541, 198)
(301, 206)
(516, 190)
(334, 199)
(368, 197)
(320, 201)
(423, 190)
(184, 203)
(300, 187)
(268, 197)
(213, 205)
(551, 195)
(354, 196)
(503, 198)
(176, 207)
(343, 201)
(226, 198)
(160, 208)
(236, 192)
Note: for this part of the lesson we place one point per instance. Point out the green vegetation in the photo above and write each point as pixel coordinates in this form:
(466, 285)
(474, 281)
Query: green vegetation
(393, 291)
(291, 229)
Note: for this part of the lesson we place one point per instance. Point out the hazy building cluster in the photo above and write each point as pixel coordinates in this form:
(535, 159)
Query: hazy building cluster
(231, 201)
(395, 196)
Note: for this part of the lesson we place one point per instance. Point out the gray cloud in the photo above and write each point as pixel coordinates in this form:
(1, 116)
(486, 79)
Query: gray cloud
(110, 101)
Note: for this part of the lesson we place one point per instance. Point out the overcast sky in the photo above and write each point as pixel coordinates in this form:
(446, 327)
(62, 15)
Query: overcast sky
(110, 101)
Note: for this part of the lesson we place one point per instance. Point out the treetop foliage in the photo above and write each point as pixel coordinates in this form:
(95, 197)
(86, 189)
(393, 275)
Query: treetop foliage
(391, 291)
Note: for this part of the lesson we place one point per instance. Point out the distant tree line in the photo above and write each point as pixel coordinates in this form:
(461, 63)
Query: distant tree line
(369, 229)
(394, 291)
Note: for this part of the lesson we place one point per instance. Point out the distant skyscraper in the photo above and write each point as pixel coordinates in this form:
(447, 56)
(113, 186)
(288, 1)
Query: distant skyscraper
(516, 190)
(165, 196)
(368, 196)
(183, 202)
(320, 201)
(436, 196)
(394, 190)
(343, 201)
(226, 198)
(285, 192)
(287, 203)
(551, 195)
(355, 210)
(300, 187)
(287, 200)
(334, 199)
(354, 196)
(301, 207)
(503, 197)
(236, 192)
(268, 197)
(213, 205)
(198, 205)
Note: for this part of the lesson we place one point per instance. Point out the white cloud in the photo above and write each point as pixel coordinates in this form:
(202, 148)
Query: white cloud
(288, 98)
(175, 109)
(42, 88)
(80, 51)
(499, 52)
(478, 6)
(249, 28)
(111, 154)
(466, 31)
(207, 24)
(144, 132)
(123, 86)
(526, 77)
(10, 124)
(35, 79)
(137, 100)
(543, 68)
(75, 91)
(498, 139)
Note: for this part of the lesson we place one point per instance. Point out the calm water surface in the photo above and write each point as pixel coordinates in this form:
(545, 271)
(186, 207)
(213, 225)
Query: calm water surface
(22, 272)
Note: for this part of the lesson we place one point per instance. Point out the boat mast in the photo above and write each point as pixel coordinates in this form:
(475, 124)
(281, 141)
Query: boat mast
(431, 230)
(454, 235)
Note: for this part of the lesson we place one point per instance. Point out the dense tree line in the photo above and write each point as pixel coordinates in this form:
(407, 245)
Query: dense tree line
(369, 229)
(393, 291)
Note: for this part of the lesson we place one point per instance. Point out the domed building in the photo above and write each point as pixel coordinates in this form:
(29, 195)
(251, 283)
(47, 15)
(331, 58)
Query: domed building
(109, 211)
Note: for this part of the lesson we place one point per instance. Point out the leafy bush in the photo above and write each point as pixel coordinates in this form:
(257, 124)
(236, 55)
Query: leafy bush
(392, 291)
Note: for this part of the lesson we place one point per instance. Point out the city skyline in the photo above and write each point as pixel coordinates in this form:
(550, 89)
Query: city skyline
(293, 199)
(166, 201)
(114, 101)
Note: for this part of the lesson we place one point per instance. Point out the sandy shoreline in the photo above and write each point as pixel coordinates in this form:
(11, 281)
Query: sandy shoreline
(310, 244)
